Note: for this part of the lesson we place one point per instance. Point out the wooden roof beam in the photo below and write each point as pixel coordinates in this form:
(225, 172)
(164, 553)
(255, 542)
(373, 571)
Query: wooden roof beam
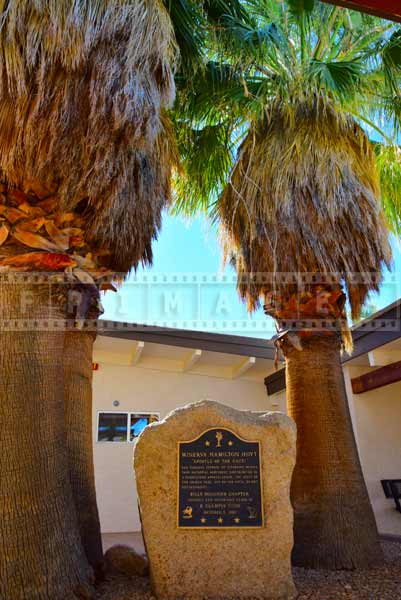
(137, 353)
(243, 367)
(191, 360)
(377, 379)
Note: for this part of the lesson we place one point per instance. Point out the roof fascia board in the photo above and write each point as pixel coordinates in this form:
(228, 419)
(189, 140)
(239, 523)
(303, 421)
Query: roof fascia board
(386, 9)
(214, 342)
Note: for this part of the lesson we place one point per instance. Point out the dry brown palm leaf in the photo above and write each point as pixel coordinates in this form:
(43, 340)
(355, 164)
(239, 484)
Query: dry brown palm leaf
(85, 262)
(54, 240)
(41, 261)
(48, 205)
(75, 236)
(26, 208)
(15, 196)
(4, 231)
(31, 211)
(59, 237)
(13, 215)
(32, 225)
(303, 199)
(69, 217)
(33, 240)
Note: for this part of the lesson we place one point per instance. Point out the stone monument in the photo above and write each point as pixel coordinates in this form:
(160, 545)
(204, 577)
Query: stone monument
(214, 494)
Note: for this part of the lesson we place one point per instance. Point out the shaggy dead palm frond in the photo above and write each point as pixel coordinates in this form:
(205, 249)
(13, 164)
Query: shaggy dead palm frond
(83, 88)
(302, 198)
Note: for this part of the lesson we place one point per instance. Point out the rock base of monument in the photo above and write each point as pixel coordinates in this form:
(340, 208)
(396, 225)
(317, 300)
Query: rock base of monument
(124, 560)
(213, 485)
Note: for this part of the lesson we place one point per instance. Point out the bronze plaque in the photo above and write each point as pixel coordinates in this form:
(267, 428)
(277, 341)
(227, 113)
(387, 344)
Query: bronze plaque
(219, 482)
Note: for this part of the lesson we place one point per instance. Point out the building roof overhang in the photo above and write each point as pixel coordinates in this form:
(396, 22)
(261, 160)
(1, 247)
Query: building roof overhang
(372, 333)
(183, 338)
(381, 328)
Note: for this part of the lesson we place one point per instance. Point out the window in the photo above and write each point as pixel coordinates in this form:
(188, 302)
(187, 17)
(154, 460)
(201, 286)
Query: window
(122, 426)
(112, 427)
(138, 422)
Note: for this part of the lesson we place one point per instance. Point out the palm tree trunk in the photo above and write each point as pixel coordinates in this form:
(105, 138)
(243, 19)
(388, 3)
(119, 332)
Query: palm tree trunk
(41, 555)
(78, 350)
(334, 524)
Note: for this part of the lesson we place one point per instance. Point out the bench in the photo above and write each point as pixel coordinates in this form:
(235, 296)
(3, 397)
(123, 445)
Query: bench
(392, 489)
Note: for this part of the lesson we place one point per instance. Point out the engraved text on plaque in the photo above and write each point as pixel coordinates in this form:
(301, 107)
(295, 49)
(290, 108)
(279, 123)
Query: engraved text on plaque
(219, 481)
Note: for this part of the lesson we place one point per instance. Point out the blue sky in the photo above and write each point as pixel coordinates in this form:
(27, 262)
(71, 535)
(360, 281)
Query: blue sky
(188, 288)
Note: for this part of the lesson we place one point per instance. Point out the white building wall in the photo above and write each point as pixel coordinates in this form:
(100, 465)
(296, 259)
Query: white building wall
(377, 419)
(145, 390)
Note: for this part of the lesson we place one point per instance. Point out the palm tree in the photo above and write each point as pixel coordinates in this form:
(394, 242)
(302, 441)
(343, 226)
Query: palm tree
(189, 19)
(275, 146)
(86, 157)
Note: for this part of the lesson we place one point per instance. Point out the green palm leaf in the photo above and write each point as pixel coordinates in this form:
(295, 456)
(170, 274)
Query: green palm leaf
(340, 79)
(301, 7)
(212, 147)
(189, 25)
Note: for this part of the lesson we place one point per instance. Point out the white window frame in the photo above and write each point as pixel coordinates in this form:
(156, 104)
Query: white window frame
(122, 412)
